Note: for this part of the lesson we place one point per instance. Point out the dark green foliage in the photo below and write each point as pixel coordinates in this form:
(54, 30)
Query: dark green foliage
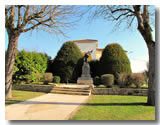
(65, 61)
(28, 65)
(114, 61)
(56, 79)
(77, 70)
(107, 80)
(48, 77)
(94, 67)
(96, 80)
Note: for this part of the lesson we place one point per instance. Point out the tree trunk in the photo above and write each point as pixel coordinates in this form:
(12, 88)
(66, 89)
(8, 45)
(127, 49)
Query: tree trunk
(9, 63)
(151, 83)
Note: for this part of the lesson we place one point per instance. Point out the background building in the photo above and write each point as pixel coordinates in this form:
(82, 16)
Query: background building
(86, 45)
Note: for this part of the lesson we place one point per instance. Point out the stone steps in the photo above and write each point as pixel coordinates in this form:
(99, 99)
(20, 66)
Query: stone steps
(71, 90)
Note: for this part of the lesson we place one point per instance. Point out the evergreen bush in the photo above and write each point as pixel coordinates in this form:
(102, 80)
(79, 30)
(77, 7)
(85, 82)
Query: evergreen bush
(66, 60)
(97, 81)
(114, 61)
(94, 68)
(56, 79)
(77, 70)
(107, 80)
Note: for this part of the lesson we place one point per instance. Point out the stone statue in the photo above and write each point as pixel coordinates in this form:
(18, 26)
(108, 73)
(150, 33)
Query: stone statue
(86, 78)
(86, 67)
(87, 55)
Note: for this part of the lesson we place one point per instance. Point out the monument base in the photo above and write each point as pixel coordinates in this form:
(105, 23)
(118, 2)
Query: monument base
(85, 81)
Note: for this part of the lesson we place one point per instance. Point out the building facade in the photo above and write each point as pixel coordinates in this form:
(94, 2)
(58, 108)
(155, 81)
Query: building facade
(86, 45)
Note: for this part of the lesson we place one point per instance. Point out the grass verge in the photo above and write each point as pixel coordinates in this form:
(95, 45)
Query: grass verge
(19, 96)
(109, 107)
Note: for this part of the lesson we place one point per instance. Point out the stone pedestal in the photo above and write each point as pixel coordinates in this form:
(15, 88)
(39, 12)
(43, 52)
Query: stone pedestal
(85, 78)
(85, 81)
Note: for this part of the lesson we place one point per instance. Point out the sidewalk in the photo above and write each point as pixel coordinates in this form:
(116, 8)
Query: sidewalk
(46, 107)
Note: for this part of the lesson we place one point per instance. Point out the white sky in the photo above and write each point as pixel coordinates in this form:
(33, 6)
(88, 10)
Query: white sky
(138, 65)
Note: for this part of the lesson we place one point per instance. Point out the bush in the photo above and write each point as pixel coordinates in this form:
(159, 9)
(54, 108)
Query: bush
(29, 64)
(123, 80)
(97, 81)
(66, 60)
(114, 61)
(127, 80)
(48, 77)
(137, 79)
(94, 66)
(56, 79)
(107, 80)
(77, 70)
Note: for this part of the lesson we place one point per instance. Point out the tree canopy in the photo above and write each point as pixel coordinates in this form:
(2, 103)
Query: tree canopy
(65, 61)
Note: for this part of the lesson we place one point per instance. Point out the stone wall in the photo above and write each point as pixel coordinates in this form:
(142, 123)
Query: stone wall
(95, 91)
(34, 88)
(120, 91)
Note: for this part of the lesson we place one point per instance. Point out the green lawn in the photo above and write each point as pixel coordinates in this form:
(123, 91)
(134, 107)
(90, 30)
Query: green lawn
(19, 96)
(108, 107)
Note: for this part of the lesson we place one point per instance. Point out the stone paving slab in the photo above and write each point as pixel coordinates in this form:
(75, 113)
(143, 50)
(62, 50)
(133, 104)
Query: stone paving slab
(74, 86)
(45, 107)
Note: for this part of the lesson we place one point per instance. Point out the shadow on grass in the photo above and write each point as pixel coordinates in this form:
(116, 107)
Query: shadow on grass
(8, 102)
(88, 104)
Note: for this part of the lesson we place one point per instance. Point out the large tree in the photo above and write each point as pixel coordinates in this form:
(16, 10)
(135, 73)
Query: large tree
(65, 61)
(142, 15)
(23, 18)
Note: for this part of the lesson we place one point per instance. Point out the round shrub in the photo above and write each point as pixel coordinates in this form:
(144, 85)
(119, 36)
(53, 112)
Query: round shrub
(56, 79)
(107, 80)
(96, 80)
(65, 61)
(48, 77)
(114, 61)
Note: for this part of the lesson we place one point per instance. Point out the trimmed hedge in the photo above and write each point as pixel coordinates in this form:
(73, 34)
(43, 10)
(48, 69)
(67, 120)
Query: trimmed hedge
(48, 77)
(107, 80)
(66, 60)
(114, 61)
(56, 79)
(97, 81)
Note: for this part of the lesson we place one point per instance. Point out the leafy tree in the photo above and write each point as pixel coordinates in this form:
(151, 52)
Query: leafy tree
(65, 61)
(30, 65)
(114, 61)
(142, 15)
(23, 18)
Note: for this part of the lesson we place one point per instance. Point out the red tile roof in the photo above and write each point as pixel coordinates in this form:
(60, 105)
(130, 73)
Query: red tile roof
(86, 40)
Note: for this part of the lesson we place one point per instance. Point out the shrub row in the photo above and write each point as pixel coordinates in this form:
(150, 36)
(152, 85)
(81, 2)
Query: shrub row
(113, 61)
(106, 79)
(128, 80)
(124, 80)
